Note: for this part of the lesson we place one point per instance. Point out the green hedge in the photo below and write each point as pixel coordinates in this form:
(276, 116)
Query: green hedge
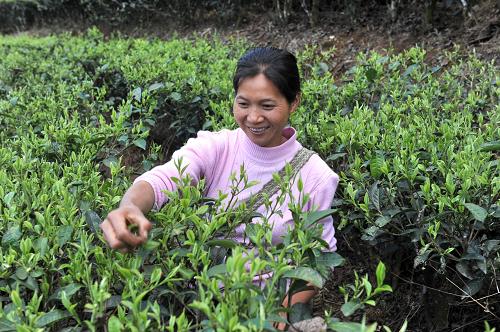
(415, 144)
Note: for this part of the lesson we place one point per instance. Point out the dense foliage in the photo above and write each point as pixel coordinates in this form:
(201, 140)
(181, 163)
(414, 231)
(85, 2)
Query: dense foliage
(416, 146)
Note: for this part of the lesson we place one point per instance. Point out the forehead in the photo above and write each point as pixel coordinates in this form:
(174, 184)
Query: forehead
(258, 86)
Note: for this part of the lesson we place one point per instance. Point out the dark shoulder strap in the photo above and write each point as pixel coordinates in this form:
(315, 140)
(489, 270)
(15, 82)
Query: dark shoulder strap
(271, 187)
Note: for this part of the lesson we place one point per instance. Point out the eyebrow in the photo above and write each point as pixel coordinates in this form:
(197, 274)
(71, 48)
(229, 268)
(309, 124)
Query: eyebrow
(267, 100)
(261, 101)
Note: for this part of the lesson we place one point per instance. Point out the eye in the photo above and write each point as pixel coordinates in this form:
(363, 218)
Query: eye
(268, 106)
(242, 104)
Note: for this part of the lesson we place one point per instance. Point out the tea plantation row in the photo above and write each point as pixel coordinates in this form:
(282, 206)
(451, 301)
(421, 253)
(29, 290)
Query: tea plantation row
(416, 146)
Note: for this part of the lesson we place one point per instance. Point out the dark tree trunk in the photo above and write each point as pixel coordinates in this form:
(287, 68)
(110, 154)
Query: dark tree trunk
(315, 12)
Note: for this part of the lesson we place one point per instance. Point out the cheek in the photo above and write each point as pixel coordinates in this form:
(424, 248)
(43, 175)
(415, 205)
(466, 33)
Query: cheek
(282, 116)
(238, 115)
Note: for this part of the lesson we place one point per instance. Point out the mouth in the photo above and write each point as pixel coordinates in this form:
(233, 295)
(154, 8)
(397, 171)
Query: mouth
(258, 130)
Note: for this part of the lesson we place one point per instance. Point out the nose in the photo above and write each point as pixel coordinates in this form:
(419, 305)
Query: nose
(254, 115)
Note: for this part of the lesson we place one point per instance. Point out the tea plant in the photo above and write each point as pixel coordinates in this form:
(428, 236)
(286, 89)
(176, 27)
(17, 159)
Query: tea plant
(362, 293)
(415, 144)
(222, 292)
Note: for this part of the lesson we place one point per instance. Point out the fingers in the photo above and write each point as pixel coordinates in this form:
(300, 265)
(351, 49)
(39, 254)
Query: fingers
(144, 225)
(110, 236)
(116, 228)
(120, 225)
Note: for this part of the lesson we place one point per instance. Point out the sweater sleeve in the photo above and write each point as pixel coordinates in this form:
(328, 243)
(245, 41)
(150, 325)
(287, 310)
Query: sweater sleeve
(321, 199)
(198, 155)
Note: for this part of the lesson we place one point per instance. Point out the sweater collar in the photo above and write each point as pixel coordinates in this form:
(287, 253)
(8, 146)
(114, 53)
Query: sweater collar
(285, 151)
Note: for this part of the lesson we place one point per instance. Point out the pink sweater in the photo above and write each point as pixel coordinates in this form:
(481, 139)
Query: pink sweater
(215, 155)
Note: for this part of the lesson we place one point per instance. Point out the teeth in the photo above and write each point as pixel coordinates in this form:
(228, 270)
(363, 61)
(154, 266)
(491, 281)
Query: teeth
(258, 130)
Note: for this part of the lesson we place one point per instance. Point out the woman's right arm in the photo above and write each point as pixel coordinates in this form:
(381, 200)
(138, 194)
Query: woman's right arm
(137, 201)
(148, 190)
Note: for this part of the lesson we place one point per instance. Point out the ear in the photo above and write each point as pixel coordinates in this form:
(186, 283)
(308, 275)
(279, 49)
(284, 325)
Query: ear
(295, 104)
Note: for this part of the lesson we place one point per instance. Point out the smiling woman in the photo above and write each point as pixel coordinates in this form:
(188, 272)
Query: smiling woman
(267, 92)
(267, 88)
(261, 111)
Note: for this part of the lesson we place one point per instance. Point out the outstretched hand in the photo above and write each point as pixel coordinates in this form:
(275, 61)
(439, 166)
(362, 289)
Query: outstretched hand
(118, 228)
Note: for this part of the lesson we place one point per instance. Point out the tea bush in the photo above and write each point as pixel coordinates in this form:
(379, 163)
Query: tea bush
(416, 146)
(68, 107)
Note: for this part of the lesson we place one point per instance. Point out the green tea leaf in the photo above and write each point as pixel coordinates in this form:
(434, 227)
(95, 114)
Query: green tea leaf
(490, 146)
(7, 199)
(31, 283)
(12, 235)
(52, 317)
(21, 273)
(202, 210)
(110, 160)
(41, 245)
(69, 289)
(330, 259)
(176, 96)
(410, 70)
(141, 143)
(114, 324)
(222, 243)
(151, 245)
(315, 216)
(380, 274)
(464, 269)
(179, 252)
(491, 246)
(346, 327)
(251, 230)
(350, 307)
(370, 302)
(137, 93)
(93, 221)
(374, 194)
(7, 325)
(478, 212)
(335, 156)
(299, 312)
(155, 86)
(64, 234)
(371, 74)
(473, 286)
(186, 273)
(202, 306)
(307, 274)
(376, 167)
(382, 288)
(217, 269)
(382, 221)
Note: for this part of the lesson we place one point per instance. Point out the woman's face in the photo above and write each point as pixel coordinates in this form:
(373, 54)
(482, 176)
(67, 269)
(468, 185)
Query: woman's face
(262, 111)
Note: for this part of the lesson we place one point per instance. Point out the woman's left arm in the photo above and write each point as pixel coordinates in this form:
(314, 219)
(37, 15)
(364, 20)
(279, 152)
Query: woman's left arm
(301, 297)
(321, 199)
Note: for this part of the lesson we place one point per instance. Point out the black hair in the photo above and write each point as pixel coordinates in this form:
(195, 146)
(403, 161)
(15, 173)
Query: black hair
(279, 66)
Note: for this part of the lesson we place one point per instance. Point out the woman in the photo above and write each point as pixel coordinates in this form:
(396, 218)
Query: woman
(267, 91)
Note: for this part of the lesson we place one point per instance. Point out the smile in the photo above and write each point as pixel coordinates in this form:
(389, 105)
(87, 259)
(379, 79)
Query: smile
(258, 130)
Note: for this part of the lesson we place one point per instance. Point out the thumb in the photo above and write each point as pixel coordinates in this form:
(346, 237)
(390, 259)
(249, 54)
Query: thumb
(144, 226)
